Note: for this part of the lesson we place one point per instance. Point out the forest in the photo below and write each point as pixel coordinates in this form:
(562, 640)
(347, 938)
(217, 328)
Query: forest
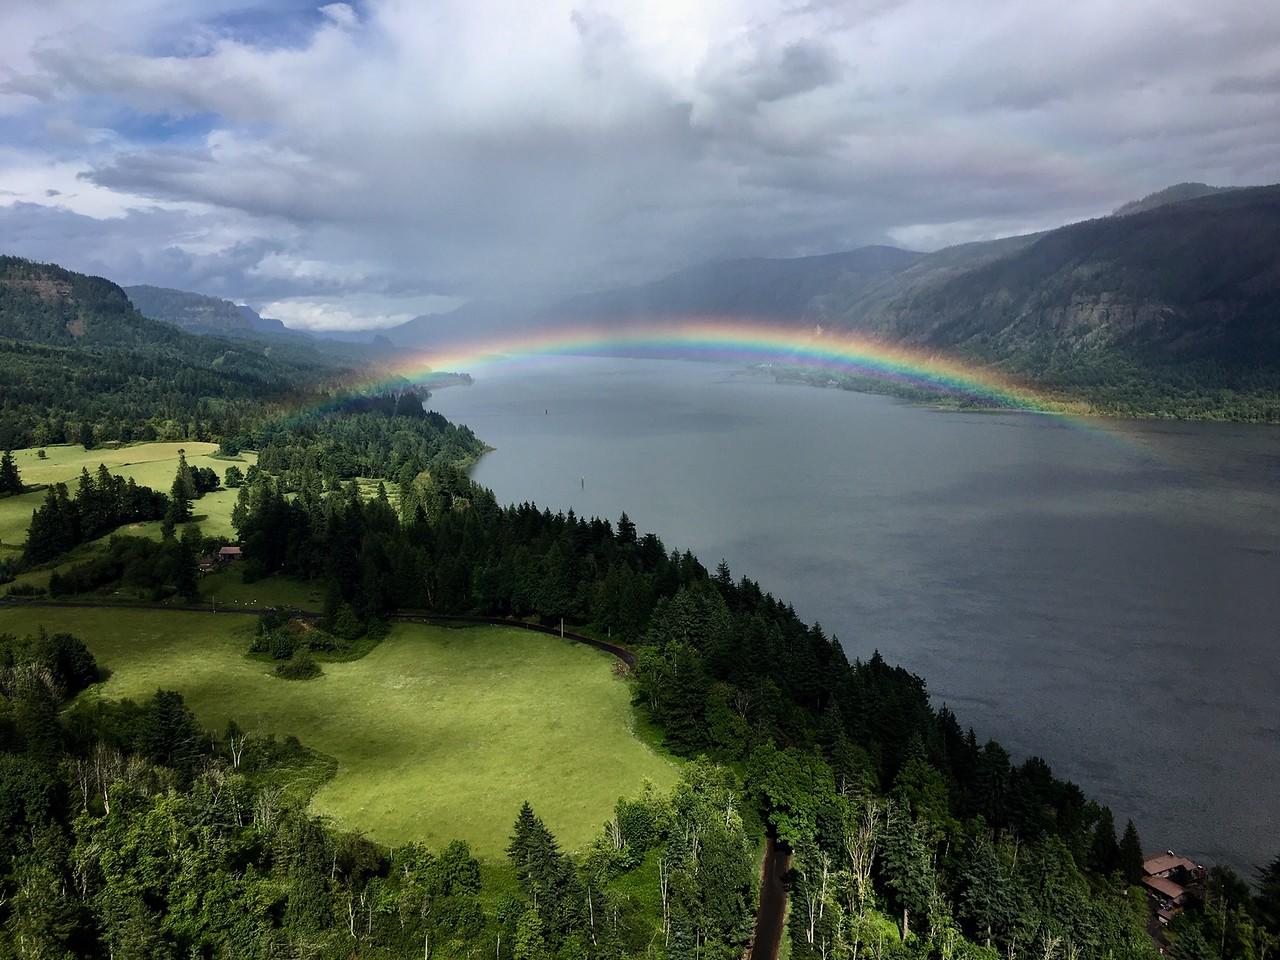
(129, 831)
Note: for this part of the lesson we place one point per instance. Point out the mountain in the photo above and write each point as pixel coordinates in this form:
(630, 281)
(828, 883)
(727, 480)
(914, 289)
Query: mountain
(200, 314)
(759, 288)
(79, 363)
(1196, 279)
(1175, 194)
(474, 321)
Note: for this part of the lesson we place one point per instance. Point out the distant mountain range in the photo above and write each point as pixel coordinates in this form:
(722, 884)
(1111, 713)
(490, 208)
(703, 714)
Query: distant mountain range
(1169, 305)
(1189, 272)
(1180, 289)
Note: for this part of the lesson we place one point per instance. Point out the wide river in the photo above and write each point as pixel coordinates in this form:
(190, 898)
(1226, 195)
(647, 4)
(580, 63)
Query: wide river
(1105, 594)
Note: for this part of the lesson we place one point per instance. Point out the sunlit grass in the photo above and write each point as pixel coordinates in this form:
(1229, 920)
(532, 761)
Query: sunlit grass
(438, 733)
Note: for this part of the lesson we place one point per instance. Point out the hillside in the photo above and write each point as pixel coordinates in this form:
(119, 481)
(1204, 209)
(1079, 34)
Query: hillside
(1167, 307)
(759, 288)
(200, 314)
(1175, 194)
(79, 363)
(1195, 280)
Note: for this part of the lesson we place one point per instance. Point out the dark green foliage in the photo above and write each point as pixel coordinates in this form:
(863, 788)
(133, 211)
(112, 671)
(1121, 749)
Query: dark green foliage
(10, 480)
(102, 502)
(59, 659)
(181, 493)
(301, 666)
(1131, 858)
(1104, 853)
(1269, 895)
(233, 478)
(78, 363)
(386, 435)
(148, 568)
(168, 733)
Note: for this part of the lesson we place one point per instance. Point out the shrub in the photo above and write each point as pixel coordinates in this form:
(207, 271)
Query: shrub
(303, 666)
(26, 590)
(281, 644)
(346, 624)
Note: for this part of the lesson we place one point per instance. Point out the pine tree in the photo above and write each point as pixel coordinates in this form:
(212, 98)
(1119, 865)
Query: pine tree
(1104, 852)
(907, 865)
(182, 492)
(1131, 859)
(1268, 900)
(10, 480)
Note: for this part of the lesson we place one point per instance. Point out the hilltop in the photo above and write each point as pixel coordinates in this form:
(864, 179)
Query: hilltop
(200, 314)
(79, 363)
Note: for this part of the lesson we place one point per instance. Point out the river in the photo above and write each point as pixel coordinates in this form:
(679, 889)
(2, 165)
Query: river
(1105, 594)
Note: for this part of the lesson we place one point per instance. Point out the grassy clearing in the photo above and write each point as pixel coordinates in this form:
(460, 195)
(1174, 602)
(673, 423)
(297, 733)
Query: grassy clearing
(438, 733)
(150, 464)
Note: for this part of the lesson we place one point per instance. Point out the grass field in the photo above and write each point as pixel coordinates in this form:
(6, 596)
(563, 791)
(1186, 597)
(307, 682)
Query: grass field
(438, 733)
(150, 464)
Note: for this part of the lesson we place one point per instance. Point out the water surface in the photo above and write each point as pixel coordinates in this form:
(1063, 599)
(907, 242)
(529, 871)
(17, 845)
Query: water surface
(1106, 596)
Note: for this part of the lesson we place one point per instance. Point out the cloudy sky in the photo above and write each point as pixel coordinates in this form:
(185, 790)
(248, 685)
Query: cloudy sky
(355, 164)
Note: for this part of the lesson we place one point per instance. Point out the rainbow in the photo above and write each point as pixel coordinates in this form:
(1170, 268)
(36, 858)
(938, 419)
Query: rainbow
(737, 341)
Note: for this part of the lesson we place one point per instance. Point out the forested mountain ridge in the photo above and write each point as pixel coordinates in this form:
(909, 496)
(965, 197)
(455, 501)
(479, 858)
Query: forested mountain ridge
(201, 314)
(1197, 279)
(1166, 307)
(79, 363)
(1173, 194)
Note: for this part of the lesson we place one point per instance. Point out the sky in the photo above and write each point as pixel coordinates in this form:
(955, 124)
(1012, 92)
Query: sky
(352, 165)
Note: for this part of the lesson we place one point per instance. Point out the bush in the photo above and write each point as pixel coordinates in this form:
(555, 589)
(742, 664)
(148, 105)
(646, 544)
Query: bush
(346, 624)
(26, 590)
(281, 644)
(303, 666)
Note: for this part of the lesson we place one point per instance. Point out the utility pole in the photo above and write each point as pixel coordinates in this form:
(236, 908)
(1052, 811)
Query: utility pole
(562, 628)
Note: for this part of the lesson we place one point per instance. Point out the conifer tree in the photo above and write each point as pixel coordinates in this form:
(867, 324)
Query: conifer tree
(182, 492)
(1131, 859)
(10, 480)
(1104, 853)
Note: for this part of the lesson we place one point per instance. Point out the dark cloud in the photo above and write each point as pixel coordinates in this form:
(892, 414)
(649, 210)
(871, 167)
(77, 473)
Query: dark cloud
(373, 155)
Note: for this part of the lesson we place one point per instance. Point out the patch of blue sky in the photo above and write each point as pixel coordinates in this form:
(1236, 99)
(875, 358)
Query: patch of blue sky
(280, 23)
(176, 129)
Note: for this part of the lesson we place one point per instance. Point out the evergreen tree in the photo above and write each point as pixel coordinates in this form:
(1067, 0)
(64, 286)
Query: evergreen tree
(908, 869)
(182, 492)
(1104, 852)
(10, 480)
(1131, 859)
(1268, 899)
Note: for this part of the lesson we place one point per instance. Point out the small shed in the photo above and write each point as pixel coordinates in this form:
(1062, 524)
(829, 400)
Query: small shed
(227, 554)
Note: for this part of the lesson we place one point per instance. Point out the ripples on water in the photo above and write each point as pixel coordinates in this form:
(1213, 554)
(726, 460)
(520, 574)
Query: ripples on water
(1105, 595)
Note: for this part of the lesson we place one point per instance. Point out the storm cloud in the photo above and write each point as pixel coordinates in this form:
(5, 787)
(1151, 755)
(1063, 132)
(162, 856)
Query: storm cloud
(358, 163)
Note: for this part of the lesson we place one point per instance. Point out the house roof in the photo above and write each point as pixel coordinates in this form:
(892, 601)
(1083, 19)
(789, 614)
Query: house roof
(230, 552)
(1164, 862)
(1164, 886)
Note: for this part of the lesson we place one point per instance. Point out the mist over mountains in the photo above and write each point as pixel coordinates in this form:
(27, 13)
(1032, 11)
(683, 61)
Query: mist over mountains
(1189, 273)
(1180, 289)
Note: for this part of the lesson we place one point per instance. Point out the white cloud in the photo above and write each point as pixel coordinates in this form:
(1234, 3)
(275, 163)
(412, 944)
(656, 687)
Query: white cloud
(501, 148)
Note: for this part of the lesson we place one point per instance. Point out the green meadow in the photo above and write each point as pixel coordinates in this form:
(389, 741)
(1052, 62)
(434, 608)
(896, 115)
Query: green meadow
(150, 464)
(437, 733)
